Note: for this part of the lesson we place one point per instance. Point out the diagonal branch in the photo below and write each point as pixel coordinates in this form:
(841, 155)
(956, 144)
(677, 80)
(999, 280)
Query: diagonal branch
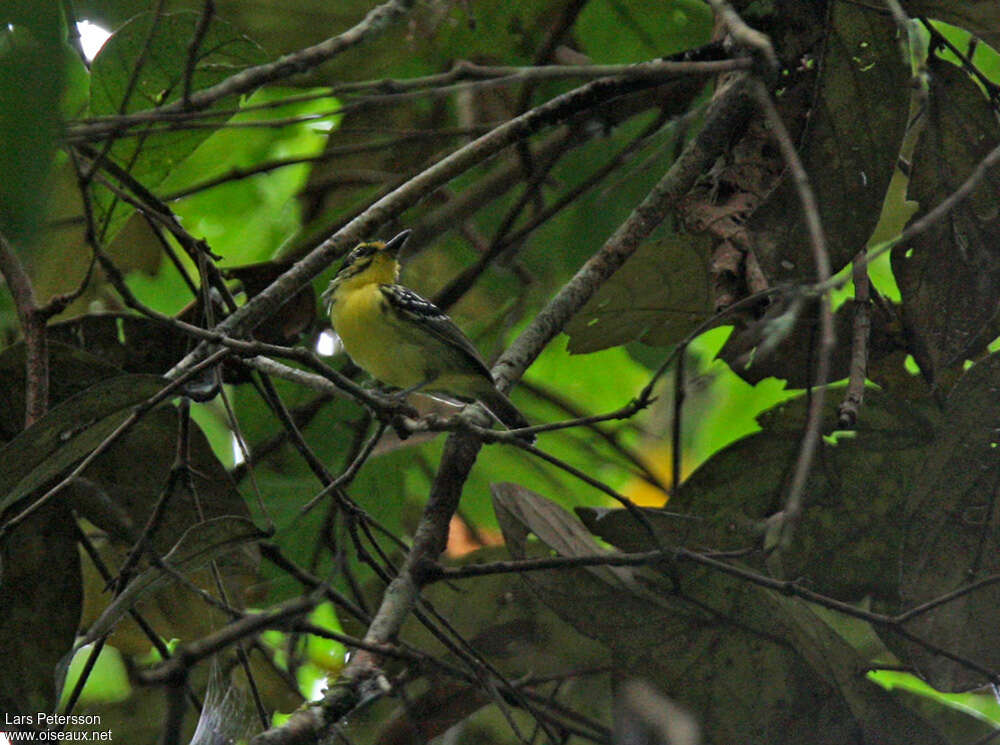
(268, 301)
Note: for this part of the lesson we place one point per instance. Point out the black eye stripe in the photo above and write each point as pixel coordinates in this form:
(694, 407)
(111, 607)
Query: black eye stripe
(356, 257)
(364, 251)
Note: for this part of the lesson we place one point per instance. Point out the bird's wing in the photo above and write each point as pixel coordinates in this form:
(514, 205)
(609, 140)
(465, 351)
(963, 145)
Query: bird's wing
(431, 319)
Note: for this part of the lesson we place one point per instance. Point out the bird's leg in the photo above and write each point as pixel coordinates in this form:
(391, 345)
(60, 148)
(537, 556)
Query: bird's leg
(429, 377)
(400, 396)
(402, 393)
(391, 393)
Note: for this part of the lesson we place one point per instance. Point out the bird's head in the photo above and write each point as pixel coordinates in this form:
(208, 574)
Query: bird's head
(372, 262)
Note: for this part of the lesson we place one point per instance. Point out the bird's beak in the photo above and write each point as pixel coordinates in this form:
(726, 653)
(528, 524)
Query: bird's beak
(397, 243)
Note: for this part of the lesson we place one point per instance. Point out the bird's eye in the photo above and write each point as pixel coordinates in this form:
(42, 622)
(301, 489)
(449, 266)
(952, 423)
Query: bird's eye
(363, 251)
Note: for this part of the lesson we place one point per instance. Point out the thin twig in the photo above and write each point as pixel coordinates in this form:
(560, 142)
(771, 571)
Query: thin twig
(351, 471)
(553, 37)
(437, 86)
(460, 284)
(204, 20)
(821, 258)
(611, 437)
(98, 127)
(855, 393)
(154, 638)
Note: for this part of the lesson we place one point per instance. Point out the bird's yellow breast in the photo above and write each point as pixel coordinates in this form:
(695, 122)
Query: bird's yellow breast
(370, 338)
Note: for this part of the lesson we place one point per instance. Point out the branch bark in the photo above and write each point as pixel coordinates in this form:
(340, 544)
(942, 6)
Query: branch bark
(36, 356)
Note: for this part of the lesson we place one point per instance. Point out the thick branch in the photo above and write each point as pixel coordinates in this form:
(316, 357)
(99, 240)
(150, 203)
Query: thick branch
(36, 357)
(727, 112)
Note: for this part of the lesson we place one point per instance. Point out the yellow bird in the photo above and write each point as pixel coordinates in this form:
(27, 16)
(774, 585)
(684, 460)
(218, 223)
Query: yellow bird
(403, 340)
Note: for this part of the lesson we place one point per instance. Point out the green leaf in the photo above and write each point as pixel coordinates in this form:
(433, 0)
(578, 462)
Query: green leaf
(32, 77)
(107, 683)
(949, 275)
(247, 220)
(68, 433)
(854, 117)
(199, 545)
(614, 32)
(981, 17)
(161, 52)
(657, 297)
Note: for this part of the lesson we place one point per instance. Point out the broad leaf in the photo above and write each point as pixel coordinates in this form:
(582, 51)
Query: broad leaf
(68, 433)
(851, 124)
(951, 536)
(949, 275)
(143, 66)
(198, 546)
(32, 76)
(981, 17)
(657, 297)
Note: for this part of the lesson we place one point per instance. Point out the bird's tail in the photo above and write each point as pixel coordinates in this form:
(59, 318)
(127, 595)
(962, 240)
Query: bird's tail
(504, 409)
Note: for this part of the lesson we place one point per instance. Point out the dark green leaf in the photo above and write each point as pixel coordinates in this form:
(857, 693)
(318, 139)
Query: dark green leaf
(199, 545)
(599, 602)
(71, 371)
(657, 297)
(949, 275)
(951, 535)
(132, 343)
(40, 599)
(68, 433)
(852, 123)
(32, 76)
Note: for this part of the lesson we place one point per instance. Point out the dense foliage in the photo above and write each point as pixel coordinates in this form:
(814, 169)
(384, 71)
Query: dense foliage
(738, 263)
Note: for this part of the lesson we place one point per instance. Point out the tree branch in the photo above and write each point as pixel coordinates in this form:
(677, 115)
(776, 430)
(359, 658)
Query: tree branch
(36, 356)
